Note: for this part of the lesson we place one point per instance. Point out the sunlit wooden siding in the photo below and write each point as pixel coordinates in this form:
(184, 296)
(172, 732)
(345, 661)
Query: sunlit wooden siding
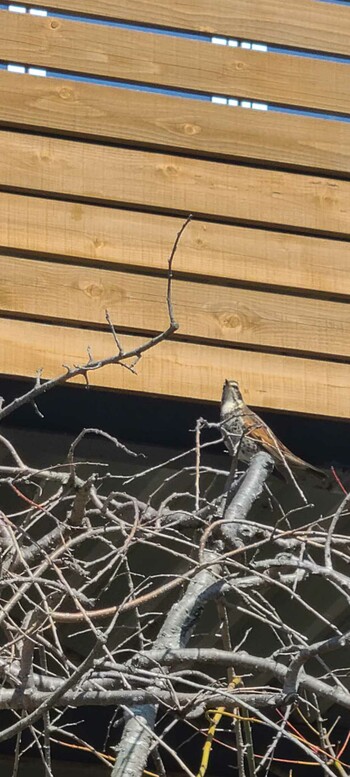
(95, 182)
(304, 24)
(175, 62)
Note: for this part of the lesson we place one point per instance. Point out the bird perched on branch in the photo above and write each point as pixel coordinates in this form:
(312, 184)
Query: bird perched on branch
(245, 433)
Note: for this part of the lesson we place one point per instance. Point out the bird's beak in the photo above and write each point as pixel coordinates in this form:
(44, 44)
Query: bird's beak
(226, 389)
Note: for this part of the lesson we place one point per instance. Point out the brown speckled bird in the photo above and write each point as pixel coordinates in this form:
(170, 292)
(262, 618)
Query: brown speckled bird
(246, 433)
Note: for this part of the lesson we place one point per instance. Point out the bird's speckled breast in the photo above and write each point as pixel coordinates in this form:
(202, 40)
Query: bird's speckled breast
(233, 417)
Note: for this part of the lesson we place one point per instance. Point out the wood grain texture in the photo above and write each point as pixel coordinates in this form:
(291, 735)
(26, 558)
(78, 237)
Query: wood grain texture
(172, 123)
(305, 24)
(137, 302)
(177, 369)
(115, 237)
(175, 184)
(174, 62)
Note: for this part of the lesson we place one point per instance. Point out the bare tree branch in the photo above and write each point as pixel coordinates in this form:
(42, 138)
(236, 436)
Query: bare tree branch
(129, 588)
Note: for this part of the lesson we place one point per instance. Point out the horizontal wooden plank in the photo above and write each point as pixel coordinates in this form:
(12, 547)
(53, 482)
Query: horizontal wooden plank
(174, 62)
(136, 302)
(172, 123)
(142, 240)
(304, 24)
(178, 369)
(176, 184)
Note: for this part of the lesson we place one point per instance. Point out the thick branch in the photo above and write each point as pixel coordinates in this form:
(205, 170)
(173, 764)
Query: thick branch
(171, 657)
(175, 632)
(144, 698)
(240, 505)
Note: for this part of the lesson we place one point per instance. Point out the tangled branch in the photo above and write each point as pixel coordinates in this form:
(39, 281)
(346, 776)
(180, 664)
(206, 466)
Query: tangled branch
(198, 597)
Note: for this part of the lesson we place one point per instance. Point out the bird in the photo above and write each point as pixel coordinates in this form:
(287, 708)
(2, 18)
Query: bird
(245, 433)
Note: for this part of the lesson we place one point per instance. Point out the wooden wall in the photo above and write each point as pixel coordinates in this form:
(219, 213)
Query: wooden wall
(95, 182)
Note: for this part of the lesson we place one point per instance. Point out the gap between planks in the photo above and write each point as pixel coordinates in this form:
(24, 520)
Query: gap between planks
(172, 62)
(161, 182)
(113, 237)
(301, 24)
(176, 369)
(227, 316)
(112, 114)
